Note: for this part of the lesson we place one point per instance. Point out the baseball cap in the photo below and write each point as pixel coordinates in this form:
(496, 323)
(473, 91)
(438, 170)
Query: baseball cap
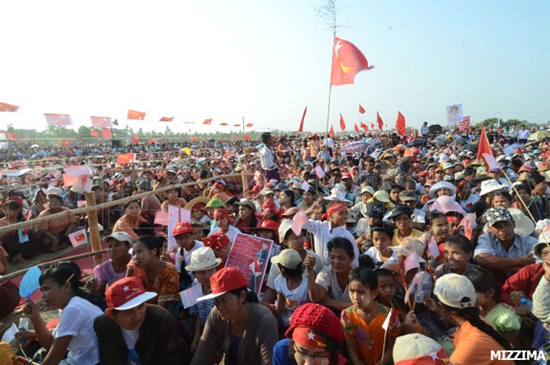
(455, 291)
(227, 279)
(498, 214)
(418, 349)
(216, 241)
(127, 293)
(181, 228)
(284, 227)
(119, 236)
(408, 195)
(375, 210)
(288, 258)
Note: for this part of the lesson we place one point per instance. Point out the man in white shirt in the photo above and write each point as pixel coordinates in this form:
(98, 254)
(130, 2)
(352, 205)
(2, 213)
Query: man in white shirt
(268, 160)
(424, 130)
(523, 134)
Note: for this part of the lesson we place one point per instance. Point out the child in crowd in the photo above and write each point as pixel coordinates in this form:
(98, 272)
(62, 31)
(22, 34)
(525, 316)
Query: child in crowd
(291, 285)
(203, 265)
(458, 252)
(501, 316)
(387, 292)
(381, 253)
(364, 319)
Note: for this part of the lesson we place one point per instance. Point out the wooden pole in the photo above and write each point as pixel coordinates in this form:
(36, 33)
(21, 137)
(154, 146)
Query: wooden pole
(93, 228)
(244, 179)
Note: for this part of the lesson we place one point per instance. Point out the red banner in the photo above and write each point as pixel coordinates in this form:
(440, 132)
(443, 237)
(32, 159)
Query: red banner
(465, 123)
(101, 122)
(58, 119)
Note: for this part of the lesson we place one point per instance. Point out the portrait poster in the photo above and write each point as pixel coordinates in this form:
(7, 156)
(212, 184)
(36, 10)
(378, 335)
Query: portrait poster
(454, 114)
(250, 254)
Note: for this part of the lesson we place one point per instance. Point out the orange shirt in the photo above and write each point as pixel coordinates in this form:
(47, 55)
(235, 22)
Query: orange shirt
(369, 337)
(473, 346)
(128, 224)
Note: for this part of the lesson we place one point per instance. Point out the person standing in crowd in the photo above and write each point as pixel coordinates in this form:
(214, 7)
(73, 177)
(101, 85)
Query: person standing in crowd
(268, 159)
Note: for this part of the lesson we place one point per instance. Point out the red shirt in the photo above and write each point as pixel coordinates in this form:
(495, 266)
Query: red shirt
(525, 280)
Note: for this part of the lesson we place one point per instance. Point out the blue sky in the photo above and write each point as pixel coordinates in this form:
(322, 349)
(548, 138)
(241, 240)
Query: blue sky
(267, 60)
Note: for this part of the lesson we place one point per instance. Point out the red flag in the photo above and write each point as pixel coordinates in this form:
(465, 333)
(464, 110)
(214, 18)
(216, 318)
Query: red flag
(361, 109)
(194, 139)
(152, 140)
(342, 123)
(331, 132)
(67, 142)
(101, 122)
(484, 146)
(236, 125)
(166, 119)
(347, 60)
(356, 128)
(400, 124)
(135, 139)
(94, 133)
(249, 125)
(58, 119)
(235, 136)
(207, 121)
(380, 122)
(5, 107)
(134, 114)
(106, 133)
(301, 127)
(224, 124)
(126, 158)
(11, 136)
(246, 137)
(364, 126)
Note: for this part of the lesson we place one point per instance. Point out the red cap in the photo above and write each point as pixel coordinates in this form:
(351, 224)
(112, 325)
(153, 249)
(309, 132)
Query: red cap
(270, 225)
(216, 241)
(423, 173)
(16, 199)
(127, 293)
(181, 228)
(227, 279)
(338, 207)
(269, 204)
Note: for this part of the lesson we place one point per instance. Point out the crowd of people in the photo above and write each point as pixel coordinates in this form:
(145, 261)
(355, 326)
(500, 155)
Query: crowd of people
(387, 250)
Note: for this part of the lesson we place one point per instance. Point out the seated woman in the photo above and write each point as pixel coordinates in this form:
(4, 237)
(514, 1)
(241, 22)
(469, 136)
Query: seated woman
(20, 244)
(38, 200)
(160, 276)
(173, 199)
(106, 273)
(131, 222)
(330, 286)
(55, 232)
(74, 336)
(238, 326)
(134, 332)
(246, 220)
(401, 217)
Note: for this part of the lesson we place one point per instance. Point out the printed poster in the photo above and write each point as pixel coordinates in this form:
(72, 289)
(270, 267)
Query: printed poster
(454, 114)
(250, 254)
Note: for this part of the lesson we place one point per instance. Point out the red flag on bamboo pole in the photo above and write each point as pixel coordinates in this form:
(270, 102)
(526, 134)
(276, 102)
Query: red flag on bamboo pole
(301, 127)
(380, 122)
(361, 109)
(331, 132)
(484, 145)
(342, 123)
(400, 124)
(364, 126)
(106, 133)
(356, 128)
(347, 61)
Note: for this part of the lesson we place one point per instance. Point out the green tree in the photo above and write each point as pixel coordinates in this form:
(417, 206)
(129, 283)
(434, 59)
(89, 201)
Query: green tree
(84, 132)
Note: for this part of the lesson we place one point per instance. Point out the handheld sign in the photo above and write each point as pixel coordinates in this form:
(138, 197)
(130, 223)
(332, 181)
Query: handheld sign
(29, 283)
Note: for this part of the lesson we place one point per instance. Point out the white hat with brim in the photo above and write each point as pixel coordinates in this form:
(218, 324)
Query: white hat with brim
(455, 291)
(442, 185)
(489, 186)
(202, 259)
